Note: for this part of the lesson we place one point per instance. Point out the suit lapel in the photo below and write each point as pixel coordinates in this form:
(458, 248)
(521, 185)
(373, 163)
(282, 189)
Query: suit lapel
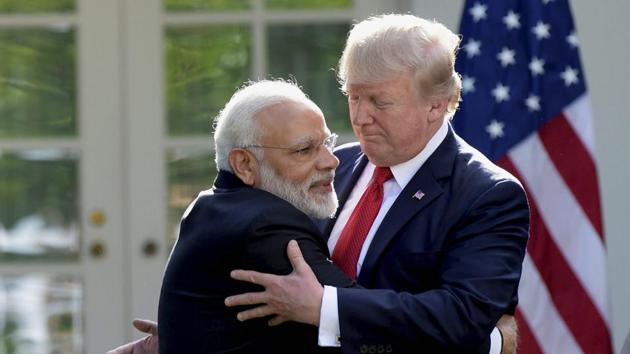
(418, 194)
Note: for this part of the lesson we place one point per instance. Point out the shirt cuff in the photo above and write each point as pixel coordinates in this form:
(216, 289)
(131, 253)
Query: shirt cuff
(496, 341)
(329, 319)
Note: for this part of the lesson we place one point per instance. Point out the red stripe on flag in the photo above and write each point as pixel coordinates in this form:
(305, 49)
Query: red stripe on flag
(571, 300)
(575, 165)
(527, 343)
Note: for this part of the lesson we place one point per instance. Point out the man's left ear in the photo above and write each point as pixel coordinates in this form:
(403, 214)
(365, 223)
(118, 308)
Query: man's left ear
(437, 109)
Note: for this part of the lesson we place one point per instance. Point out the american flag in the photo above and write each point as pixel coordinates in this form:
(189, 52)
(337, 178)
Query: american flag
(525, 105)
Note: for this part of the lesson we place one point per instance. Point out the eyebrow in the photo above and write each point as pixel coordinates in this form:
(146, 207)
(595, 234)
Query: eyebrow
(303, 141)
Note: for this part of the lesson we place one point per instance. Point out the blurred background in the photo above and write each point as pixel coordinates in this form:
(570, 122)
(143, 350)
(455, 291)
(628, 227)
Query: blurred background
(105, 137)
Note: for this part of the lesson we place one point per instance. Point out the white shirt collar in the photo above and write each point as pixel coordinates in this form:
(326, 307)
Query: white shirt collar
(404, 172)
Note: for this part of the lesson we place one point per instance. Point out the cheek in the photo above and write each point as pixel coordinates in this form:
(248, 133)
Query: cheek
(299, 173)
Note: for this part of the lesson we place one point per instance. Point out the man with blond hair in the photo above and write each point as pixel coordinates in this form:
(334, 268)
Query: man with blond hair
(425, 218)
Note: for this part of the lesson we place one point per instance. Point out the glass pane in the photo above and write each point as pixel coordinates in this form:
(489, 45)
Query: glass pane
(307, 4)
(204, 66)
(37, 82)
(310, 53)
(41, 314)
(207, 5)
(39, 204)
(30, 6)
(190, 171)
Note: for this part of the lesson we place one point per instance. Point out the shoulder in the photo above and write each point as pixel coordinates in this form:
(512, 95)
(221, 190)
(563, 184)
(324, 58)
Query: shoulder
(475, 179)
(473, 167)
(349, 151)
(349, 156)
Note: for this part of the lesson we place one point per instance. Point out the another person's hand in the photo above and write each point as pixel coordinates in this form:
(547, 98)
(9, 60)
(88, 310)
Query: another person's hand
(294, 297)
(146, 345)
(509, 331)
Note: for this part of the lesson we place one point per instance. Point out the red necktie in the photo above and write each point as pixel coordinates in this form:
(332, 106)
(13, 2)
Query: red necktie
(346, 252)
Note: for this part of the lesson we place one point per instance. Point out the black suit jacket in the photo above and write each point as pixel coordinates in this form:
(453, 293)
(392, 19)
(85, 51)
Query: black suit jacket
(447, 256)
(231, 227)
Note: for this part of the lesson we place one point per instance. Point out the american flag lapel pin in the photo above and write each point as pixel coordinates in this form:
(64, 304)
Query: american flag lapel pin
(419, 194)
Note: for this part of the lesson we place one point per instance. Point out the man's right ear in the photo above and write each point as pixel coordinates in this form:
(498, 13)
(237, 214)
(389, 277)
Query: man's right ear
(244, 165)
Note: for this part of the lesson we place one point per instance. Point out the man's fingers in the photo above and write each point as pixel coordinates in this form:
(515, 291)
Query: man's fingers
(296, 258)
(126, 348)
(246, 299)
(277, 320)
(252, 277)
(257, 312)
(146, 326)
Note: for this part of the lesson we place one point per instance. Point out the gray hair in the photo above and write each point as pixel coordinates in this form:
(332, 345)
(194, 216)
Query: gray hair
(236, 126)
(383, 46)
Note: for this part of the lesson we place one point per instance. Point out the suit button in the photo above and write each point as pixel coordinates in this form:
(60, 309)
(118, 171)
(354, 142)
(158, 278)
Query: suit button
(372, 349)
(364, 349)
(380, 349)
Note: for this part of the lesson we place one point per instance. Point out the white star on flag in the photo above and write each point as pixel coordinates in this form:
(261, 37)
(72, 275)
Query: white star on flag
(572, 39)
(478, 12)
(506, 57)
(537, 66)
(501, 93)
(533, 103)
(541, 30)
(468, 84)
(570, 76)
(534, 119)
(512, 20)
(472, 48)
(495, 129)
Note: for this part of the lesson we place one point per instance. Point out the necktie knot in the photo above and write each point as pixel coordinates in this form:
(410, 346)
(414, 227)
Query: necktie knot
(382, 175)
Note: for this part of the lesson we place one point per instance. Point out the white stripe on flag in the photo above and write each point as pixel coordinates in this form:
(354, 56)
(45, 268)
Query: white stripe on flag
(569, 227)
(538, 310)
(579, 115)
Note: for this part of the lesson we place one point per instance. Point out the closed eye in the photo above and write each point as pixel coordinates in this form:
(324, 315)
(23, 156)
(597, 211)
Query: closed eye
(304, 151)
(381, 104)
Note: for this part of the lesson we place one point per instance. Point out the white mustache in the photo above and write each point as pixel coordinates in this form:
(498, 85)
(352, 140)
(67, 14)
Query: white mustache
(321, 177)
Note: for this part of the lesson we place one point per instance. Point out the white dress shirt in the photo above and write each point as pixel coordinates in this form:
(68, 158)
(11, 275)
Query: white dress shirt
(403, 173)
(329, 332)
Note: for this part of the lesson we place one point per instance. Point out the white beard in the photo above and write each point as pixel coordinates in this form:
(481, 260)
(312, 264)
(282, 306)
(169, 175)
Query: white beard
(321, 206)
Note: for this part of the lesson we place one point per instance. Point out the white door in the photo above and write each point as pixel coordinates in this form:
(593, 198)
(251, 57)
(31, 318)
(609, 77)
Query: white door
(61, 207)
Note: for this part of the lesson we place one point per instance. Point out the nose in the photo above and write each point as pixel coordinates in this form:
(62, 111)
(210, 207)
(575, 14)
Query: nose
(326, 159)
(360, 112)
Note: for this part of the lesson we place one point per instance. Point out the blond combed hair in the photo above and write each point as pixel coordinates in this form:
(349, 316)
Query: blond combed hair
(384, 46)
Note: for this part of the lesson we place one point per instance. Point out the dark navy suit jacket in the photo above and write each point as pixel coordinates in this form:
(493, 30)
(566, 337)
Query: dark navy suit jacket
(236, 227)
(448, 264)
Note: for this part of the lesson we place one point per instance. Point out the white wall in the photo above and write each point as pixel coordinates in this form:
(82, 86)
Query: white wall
(605, 48)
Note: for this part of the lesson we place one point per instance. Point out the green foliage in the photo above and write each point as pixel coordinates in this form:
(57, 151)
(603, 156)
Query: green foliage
(188, 174)
(310, 54)
(48, 188)
(37, 83)
(307, 4)
(207, 5)
(33, 6)
(8, 334)
(204, 66)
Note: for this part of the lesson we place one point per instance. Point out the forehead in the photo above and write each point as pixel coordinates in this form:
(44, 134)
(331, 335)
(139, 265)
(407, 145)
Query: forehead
(398, 85)
(287, 123)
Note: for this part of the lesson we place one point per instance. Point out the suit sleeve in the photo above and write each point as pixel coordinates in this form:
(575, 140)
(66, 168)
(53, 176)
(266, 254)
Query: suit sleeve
(267, 248)
(478, 275)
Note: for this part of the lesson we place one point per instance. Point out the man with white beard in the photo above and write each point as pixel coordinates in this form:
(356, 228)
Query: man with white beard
(276, 168)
